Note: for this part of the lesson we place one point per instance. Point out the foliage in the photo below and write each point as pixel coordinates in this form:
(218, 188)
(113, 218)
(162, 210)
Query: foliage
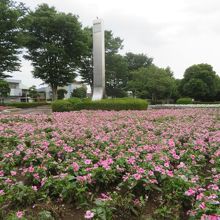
(62, 106)
(116, 75)
(10, 36)
(33, 93)
(184, 101)
(152, 82)
(80, 92)
(105, 104)
(61, 93)
(136, 61)
(55, 43)
(199, 82)
(4, 89)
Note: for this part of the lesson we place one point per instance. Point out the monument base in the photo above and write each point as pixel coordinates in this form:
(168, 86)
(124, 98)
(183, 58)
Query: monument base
(98, 93)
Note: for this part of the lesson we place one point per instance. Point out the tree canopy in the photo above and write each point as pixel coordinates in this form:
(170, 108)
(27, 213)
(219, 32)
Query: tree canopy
(11, 15)
(55, 43)
(152, 82)
(199, 82)
(4, 90)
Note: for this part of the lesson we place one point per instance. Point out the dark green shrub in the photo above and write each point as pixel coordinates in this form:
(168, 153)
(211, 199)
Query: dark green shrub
(26, 104)
(62, 106)
(105, 104)
(61, 93)
(79, 92)
(184, 101)
(74, 100)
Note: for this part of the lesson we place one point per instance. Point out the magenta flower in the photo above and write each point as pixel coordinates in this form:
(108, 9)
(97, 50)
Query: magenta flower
(19, 214)
(190, 192)
(89, 214)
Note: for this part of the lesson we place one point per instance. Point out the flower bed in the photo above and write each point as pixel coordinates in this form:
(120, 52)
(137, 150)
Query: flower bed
(155, 164)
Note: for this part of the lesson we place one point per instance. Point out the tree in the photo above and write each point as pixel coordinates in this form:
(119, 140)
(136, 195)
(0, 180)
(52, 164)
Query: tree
(61, 93)
(4, 90)
(80, 92)
(152, 82)
(33, 93)
(112, 46)
(136, 61)
(116, 75)
(10, 38)
(55, 43)
(199, 82)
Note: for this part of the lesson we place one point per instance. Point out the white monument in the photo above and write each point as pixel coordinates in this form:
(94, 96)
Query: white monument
(98, 60)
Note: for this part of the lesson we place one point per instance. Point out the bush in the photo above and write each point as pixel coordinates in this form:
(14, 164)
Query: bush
(79, 92)
(62, 106)
(105, 104)
(184, 101)
(26, 104)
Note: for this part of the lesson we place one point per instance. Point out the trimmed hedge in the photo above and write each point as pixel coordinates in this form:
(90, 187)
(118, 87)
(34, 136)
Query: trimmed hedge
(184, 101)
(104, 104)
(26, 104)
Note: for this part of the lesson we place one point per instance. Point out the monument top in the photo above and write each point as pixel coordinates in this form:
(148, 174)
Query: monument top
(97, 21)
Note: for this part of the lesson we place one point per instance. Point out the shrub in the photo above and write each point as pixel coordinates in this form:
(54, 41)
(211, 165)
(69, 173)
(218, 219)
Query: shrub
(26, 104)
(79, 92)
(184, 101)
(62, 106)
(105, 104)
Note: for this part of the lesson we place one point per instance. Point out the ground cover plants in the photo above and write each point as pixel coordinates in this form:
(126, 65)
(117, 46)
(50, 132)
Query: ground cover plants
(155, 164)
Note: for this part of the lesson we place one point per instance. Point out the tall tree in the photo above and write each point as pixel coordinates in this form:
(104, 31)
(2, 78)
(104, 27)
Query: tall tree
(55, 43)
(152, 82)
(4, 90)
(116, 75)
(199, 82)
(136, 61)
(11, 15)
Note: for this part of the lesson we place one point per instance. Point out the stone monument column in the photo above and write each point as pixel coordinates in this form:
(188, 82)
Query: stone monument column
(98, 60)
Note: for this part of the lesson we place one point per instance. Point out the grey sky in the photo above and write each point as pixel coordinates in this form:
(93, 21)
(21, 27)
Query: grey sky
(176, 33)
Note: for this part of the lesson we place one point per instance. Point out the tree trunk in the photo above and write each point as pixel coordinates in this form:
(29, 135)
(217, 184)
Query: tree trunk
(54, 92)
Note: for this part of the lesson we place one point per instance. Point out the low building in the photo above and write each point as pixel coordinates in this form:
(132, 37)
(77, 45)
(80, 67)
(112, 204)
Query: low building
(18, 91)
(46, 92)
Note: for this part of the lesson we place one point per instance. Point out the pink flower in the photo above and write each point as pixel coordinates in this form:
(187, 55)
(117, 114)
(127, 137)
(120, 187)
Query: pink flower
(137, 176)
(34, 188)
(1, 173)
(75, 166)
(31, 169)
(166, 164)
(13, 173)
(200, 196)
(19, 214)
(171, 143)
(169, 173)
(89, 214)
(2, 192)
(87, 161)
(202, 205)
(190, 192)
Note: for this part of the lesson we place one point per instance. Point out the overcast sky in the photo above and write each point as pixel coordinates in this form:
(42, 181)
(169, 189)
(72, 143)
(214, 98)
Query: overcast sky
(176, 33)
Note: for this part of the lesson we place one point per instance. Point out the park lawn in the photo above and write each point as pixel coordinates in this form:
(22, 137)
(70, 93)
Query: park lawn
(154, 164)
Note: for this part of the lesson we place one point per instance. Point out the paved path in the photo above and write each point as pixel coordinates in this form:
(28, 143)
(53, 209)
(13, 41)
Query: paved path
(46, 109)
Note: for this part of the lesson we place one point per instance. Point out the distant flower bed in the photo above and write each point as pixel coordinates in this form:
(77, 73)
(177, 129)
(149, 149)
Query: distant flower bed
(156, 164)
